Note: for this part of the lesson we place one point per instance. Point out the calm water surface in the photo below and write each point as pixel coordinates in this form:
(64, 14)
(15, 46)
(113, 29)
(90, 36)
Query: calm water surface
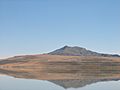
(77, 75)
(11, 83)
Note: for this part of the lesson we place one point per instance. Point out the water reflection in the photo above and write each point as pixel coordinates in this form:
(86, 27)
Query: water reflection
(66, 75)
(10, 83)
(66, 82)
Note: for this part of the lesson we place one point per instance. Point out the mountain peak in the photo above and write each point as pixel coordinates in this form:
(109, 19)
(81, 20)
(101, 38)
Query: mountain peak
(74, 51)
(78, 51)
(65, 47)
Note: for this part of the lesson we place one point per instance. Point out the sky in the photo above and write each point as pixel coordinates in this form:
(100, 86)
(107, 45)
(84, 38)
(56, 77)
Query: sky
(41, 26)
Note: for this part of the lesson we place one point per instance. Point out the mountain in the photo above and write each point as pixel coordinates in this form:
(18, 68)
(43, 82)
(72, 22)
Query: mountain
(78, 51)
(80, 82)
(67, 63)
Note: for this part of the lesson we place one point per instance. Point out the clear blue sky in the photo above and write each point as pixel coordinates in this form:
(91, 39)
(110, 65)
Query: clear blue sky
(40, 26)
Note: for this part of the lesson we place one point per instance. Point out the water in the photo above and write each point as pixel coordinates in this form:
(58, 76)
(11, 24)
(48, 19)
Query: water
(11, 83)
(67, 75)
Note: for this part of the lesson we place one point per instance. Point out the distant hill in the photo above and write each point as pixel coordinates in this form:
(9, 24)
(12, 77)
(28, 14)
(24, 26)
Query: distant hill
(79, 51)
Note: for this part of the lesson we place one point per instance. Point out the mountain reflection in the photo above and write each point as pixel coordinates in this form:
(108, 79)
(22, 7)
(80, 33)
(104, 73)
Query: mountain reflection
(67, 74)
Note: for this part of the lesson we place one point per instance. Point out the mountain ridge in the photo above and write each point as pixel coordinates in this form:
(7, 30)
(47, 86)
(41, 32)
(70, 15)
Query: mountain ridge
(79, 51)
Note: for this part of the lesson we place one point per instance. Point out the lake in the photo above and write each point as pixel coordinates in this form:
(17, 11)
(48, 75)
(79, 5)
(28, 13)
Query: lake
(11, 83)
(92, 74)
